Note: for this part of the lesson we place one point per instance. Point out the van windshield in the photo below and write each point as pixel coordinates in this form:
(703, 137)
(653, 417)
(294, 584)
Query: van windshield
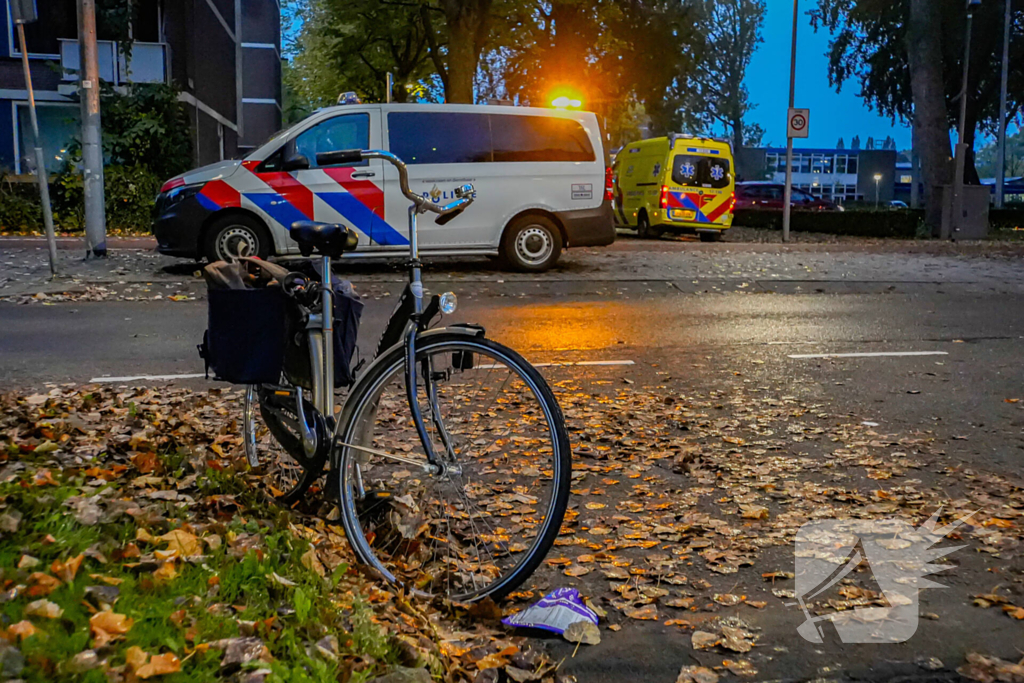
(692, 170)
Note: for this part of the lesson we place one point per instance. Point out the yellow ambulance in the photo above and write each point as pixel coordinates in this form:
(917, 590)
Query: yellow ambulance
(679, 184)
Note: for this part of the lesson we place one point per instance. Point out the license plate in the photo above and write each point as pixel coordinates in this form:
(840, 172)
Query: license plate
(684, 215)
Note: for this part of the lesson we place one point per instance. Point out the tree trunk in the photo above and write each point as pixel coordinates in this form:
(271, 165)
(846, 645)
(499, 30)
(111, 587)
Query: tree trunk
(931, 122)
(468, 24)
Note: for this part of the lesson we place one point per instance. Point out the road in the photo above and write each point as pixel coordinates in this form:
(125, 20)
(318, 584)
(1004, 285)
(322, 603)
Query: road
(689, 320)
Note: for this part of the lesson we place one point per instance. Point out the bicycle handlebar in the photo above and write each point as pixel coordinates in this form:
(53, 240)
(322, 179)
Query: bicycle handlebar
(464, 193)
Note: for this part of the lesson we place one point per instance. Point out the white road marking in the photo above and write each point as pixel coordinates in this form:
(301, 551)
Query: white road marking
(868, 355)
(566, 363)
(146, 378)
(171, 378)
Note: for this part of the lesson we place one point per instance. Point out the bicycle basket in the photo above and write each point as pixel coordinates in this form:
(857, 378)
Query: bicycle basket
(348, 310)
(245, 338)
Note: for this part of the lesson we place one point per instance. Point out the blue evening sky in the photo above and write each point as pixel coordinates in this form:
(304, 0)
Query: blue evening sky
(833, 115)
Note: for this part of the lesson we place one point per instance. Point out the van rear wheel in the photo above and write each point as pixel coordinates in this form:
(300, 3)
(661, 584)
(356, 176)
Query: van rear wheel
(644, 229)
(531, 244)
(710, 236)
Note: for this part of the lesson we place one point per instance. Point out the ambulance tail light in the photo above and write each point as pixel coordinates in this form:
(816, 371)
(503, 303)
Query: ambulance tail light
(663, 203)
(732, 203)
(609, 186)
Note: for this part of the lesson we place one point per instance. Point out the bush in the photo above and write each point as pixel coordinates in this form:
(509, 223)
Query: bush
(130, 194)
(1006, 219)
(898, 224)
(20, 209)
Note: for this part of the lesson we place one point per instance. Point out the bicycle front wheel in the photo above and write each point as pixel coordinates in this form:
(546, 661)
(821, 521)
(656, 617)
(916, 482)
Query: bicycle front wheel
(483, 525)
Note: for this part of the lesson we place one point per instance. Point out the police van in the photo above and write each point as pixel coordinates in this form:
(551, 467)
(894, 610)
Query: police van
(679, 183)
(540, 178)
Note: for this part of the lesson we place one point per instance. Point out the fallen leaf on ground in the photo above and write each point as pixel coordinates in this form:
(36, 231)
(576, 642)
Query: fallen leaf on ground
(108, 626)
(22, 630)
(585, 632)
(696, 674)
(702, 640)
(43, 608)
(186, 544)
(159, 665)
(727, 599)
(645, 613)
(68, 569)
(740, 667)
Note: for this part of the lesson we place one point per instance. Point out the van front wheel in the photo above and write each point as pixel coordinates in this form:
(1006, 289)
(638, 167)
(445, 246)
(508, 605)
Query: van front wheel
(531, 244)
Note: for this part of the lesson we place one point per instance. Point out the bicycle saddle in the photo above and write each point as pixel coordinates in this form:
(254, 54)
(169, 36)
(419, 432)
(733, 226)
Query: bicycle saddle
(329, 239)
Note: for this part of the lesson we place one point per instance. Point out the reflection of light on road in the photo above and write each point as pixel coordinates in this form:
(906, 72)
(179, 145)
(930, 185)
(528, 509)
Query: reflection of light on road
(564, 327)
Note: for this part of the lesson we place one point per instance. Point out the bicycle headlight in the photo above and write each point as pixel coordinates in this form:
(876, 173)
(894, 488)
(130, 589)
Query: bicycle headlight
(448, 302)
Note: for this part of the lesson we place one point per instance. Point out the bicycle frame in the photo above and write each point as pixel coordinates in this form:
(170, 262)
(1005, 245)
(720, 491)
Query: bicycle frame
(411, 317)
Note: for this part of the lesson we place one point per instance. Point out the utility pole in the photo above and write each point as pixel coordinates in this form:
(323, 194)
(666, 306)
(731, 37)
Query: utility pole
(1001, 157)
(788, 195)
(961, 147)
(92, 140)
(24, 12)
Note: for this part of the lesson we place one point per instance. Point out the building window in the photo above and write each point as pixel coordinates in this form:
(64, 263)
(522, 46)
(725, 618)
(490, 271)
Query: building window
(906, 179)
(851, 165)
(58, 126)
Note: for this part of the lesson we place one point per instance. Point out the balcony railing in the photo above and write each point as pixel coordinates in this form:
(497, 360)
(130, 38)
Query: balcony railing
(147, 65)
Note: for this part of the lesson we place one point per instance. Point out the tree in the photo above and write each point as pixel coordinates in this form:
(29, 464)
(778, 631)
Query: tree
(907, 56)
(840, 144)
(988, 155)
(589, 47)
(468, 26)
(350, 45)
(717, 96)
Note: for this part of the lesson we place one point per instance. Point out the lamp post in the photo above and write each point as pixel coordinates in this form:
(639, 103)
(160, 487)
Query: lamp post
(25, 12)
(878, 179)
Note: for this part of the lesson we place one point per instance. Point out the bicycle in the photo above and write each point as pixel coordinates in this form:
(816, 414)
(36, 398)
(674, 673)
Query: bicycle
(449, 457)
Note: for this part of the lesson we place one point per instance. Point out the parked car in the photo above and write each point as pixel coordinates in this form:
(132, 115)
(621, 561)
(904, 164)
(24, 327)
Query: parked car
(759, 195)
(897, 205)
(540, 178)
(678, 183)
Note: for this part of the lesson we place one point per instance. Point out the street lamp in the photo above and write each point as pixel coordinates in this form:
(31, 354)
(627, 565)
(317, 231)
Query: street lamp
(878, 179)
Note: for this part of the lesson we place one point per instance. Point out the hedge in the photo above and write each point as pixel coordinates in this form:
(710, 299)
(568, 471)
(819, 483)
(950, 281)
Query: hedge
(130, 195)
(899, 224)
(1006, 219)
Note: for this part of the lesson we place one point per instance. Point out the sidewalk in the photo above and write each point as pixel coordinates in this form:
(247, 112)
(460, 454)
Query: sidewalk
(134, 271)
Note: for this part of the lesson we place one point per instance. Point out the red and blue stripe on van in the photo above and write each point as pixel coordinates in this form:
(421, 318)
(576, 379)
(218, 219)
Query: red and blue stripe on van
(283, 198)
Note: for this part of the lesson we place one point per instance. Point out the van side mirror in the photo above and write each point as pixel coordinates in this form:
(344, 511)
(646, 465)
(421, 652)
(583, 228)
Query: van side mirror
(296, 162)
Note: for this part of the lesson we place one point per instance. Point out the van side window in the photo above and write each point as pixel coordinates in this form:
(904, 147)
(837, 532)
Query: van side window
(439, 138)
(539, 138)
(348, 131)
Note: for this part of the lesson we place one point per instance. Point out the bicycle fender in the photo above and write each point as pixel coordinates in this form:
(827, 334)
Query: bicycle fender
(461, 328)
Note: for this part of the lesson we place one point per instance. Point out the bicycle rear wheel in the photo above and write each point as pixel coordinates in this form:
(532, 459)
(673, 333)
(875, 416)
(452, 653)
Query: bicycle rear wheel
(483, 526)
(273, 444)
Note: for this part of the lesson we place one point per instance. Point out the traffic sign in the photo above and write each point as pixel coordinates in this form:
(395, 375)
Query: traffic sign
(24, 11)
(799, 123)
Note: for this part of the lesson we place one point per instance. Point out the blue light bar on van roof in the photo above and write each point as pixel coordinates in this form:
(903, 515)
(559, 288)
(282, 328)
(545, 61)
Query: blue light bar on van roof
(702, 151)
